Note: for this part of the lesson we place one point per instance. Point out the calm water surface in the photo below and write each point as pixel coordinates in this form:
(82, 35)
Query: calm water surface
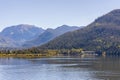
(66, 68)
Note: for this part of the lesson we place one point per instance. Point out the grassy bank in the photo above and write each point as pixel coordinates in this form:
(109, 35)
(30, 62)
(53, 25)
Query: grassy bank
(40, 53)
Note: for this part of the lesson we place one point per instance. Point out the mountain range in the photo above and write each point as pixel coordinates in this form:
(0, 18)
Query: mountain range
(23, 35)
(101, 35)
(49, 34)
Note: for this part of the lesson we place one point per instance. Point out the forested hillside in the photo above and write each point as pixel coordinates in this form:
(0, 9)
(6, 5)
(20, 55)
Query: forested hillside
(101, 35)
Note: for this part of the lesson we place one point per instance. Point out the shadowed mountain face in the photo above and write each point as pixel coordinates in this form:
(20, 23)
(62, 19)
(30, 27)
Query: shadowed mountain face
(101, 35)
(21, 33)
(50, 34)
(6, 42)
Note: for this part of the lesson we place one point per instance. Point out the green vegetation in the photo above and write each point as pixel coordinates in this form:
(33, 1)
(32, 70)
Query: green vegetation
(103, 35)
(35, 53)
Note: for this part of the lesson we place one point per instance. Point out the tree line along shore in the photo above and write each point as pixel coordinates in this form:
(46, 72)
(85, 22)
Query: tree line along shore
(37, 53)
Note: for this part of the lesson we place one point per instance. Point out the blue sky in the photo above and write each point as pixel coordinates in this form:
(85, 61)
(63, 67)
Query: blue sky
(53, 13)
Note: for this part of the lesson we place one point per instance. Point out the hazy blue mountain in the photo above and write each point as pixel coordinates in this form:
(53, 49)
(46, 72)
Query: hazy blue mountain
(50, 34)
(101, 35)
(6, 42)
(22, 32)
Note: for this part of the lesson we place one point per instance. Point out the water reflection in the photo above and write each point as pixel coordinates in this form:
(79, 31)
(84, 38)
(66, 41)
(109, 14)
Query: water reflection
(70, 68)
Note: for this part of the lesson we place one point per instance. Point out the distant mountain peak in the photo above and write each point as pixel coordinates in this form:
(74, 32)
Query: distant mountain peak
(24, 26)
(65, 25)
(115, 11)
(22, 32)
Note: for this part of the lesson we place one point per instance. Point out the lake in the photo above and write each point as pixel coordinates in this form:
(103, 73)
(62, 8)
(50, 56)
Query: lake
(64, 68)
